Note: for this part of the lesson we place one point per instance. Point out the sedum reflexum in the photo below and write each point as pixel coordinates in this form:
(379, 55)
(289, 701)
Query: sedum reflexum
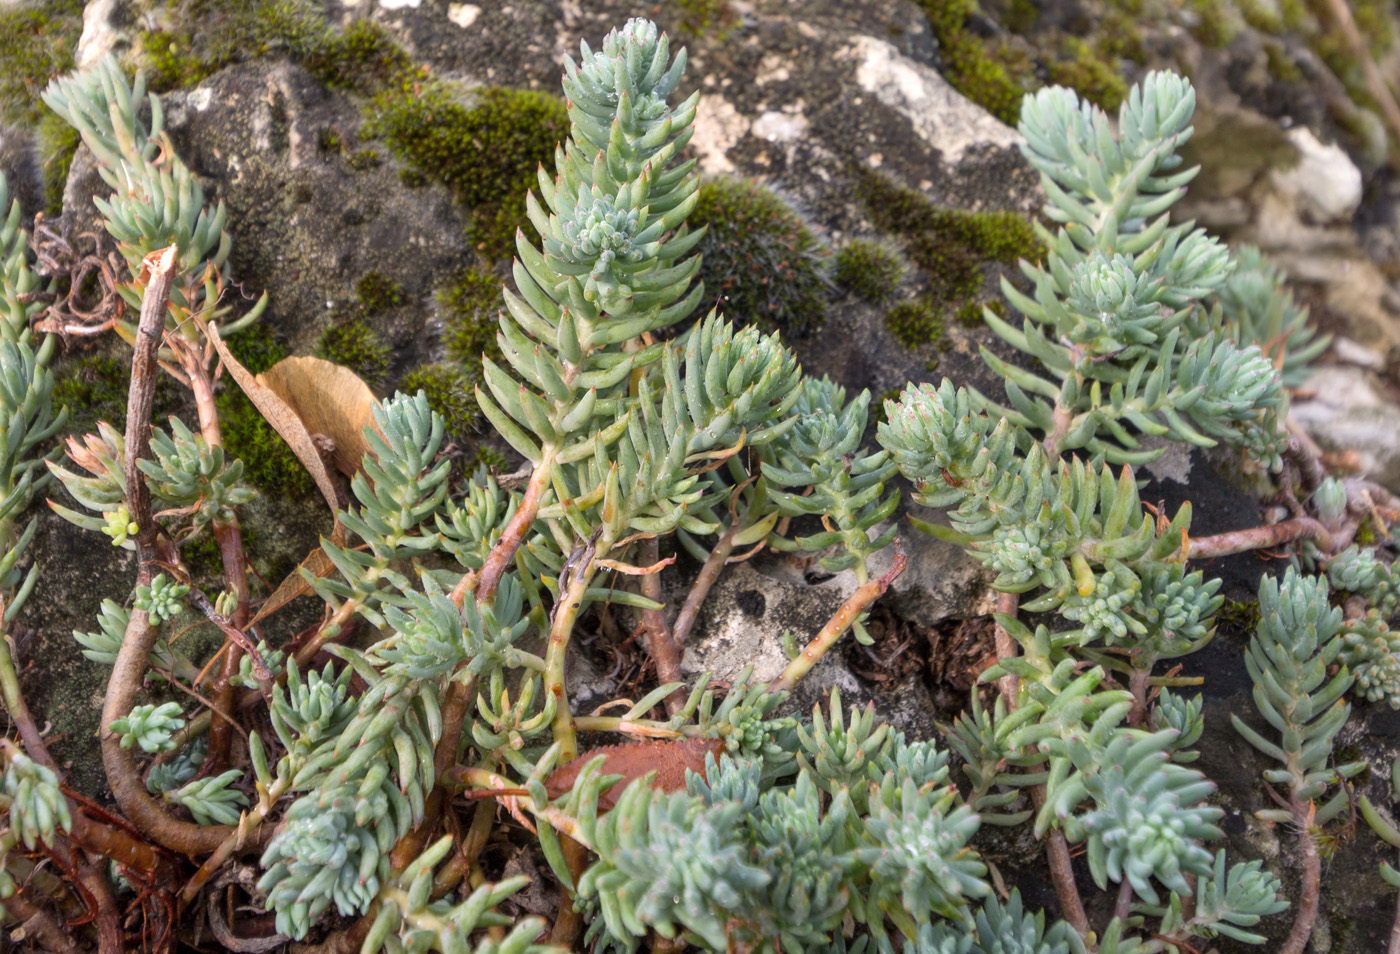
(1120, 316)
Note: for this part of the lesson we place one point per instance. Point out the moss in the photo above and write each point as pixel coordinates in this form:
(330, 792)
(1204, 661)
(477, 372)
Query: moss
(363, 160)
(364, 59)
(1215, 27)
(872, 270)
(994, 77)
(267, 460)
(170, 63)
(1019, 16)
(446, 390)
(93, 388)
(949, 245)
(486, 153)
(204, 36)
(328, 140)
(968, 314)
(58, 143)
(469, 304)
(1117, 37)
(1087, 72)
(488, 457)
(268, 463)
(761, 263)
(915, 323)
(713, 17)
(1240, 616)
(378, 293)
(37, 42)
(1282, 66)
(353, 343)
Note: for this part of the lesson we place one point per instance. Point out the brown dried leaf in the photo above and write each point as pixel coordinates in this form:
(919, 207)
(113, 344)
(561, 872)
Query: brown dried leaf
(284, 420)
(330, 400)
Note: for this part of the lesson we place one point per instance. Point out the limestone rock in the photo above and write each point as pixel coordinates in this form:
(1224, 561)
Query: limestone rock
(1350, 410)
(1325, 182)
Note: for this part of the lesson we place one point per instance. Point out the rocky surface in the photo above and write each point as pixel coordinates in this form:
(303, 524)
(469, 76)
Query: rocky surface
(806, 96)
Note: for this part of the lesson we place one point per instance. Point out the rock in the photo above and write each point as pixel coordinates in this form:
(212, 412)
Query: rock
(1351, 411)
(19, 164)
(940, 115)
(744, 618)
(305, 225)
(1325, 183)
(105, 30)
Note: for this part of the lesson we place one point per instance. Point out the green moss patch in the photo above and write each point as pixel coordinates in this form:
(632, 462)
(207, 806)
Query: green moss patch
(37, 42)
(872, 270)
(916, 323)
(762, 264)
(487, 152)
(351, 342)
(58, 143)
(949, 246)
(201, 37)
(469, 304)
(364, 59)
(378, 293)
(268, 462)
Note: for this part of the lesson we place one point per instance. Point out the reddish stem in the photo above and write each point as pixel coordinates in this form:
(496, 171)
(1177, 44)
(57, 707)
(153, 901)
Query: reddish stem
(709, 573)
(1261, 538)
(501, 555)
(1008, 685)
(130, 666)
(656, 634)
(1310, 892)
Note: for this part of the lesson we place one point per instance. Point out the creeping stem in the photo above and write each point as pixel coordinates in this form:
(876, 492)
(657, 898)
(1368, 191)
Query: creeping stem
(562, 625)
(840, 621)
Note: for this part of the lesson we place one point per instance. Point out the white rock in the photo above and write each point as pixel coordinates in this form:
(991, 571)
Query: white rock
(1325, 183)
(99, 36)
(399, 4)
(1350, 412)
(718, 127)
(940, 114)
(780, 127)
(463, 14)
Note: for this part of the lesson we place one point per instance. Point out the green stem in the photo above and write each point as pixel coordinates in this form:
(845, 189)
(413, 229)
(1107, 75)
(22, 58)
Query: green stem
(561, 628)
(840, 621)
(19, 712)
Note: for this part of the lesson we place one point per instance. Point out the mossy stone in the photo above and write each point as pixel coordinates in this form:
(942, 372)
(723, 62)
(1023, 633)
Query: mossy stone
(761, 262)
(915, 323)
(948, 245)
(364, 59)
(351, 342)
(1085, 70)
(378, 293)
(872, 270)
(470, 303)
(487, 152)
(204, 36)
(37, 43)
(267, 460)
